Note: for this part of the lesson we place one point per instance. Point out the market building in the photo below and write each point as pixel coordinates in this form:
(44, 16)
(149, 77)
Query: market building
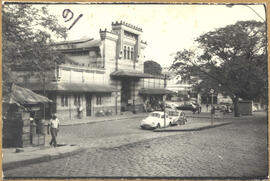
(102, 76)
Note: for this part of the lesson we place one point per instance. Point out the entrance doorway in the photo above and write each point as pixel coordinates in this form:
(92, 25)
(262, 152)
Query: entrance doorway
(88, 98)
(125, 94)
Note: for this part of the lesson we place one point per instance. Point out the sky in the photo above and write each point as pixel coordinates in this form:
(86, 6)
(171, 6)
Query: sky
(166, 28)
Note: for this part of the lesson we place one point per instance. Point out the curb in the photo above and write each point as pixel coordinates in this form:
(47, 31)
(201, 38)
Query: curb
(42, 158)
(93, 122)
(193, 129)
(207, 117)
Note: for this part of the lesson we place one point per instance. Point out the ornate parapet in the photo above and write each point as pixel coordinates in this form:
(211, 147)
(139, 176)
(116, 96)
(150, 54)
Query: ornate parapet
(117, 23)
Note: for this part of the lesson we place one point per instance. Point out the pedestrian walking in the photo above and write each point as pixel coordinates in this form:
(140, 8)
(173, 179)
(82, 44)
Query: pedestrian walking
(207, 107)
(53, 128)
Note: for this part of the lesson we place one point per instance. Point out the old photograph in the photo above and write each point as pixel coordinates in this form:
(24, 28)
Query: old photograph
(134, 90)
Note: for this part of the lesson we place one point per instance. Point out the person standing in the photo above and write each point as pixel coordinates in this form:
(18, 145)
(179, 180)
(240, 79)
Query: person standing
(207, 107)
(53, 128)
(199, 108)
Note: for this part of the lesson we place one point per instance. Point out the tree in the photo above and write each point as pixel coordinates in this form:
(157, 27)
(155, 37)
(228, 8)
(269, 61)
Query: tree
(152, 67)
(28, 32)
(232, 60)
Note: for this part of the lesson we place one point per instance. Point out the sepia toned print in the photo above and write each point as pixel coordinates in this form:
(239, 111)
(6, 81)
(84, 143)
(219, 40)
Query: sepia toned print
(134, 91)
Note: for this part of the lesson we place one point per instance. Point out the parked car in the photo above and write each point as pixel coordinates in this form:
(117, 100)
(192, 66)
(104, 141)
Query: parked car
(171, 105)
(155, 120)
(176, 117)
(187, 106)
(226, 108)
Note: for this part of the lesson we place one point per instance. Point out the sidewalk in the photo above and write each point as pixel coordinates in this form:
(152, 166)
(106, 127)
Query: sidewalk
(30, 155)
(91, 120)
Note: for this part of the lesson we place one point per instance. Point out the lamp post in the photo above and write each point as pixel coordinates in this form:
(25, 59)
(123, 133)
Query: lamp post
(164, 100)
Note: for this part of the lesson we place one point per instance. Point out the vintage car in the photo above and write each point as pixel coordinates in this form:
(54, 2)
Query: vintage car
(176, 117)
(155, 120)
(171, 105)
(187, 106)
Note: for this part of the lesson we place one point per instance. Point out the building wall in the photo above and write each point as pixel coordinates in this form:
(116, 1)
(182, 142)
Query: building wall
(79, 74)
(68, 110)
(82, 59)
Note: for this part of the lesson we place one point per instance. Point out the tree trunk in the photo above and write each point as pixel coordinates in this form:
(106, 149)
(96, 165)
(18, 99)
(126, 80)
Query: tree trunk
(235, 105)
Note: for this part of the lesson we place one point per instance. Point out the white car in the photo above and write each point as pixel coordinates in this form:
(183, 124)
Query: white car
(176, 117)
(171, 105)
(155, 120)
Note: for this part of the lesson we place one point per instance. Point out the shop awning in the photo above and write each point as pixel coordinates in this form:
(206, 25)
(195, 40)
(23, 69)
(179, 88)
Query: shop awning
(132, 74)
(71, 87)
(155, 91)
(21, 96)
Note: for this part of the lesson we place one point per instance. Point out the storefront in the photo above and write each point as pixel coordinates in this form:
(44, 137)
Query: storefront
(130, 85)
(67, 98)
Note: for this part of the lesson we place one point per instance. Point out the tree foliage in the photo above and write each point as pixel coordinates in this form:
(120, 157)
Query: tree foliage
(28, 32)
(232, 60)
(152, 67)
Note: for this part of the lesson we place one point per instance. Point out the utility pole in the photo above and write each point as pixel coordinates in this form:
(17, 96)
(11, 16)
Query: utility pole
(212, 106)
(164, 101)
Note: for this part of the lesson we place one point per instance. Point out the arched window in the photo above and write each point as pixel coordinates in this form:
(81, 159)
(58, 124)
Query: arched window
(125, 52)
(128, 53)
(132, 54)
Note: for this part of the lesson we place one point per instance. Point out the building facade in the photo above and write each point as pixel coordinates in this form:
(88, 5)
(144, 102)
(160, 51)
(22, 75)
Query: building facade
(104, 76)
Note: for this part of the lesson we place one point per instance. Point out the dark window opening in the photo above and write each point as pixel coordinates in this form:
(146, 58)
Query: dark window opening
(99, 102)
(125, 52)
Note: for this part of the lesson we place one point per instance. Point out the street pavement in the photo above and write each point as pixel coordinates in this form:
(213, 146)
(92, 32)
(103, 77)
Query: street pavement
(121, 149)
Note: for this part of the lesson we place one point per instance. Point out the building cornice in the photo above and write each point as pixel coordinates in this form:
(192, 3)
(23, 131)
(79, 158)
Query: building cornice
(82, 69)
(104, 34)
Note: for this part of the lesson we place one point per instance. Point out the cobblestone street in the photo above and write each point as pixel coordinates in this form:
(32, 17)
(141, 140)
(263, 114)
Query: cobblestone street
(122, 149)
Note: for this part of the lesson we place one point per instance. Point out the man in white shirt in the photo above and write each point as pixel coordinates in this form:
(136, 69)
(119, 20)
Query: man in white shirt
(53, 127)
